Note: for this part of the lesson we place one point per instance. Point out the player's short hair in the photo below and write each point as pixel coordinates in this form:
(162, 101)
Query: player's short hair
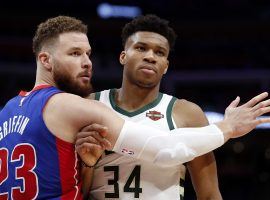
(48, 31)
(151, 23)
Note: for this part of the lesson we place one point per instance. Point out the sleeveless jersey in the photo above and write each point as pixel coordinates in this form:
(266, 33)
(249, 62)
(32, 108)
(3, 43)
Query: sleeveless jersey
(120, 177)
(34, 164)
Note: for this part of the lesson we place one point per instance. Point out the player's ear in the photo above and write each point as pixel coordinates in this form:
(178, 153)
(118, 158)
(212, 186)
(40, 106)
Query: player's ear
(165, 70)
(122, 58)
(45, 59)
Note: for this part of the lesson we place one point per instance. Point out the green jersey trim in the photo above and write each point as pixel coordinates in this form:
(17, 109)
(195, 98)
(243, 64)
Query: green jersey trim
(136, 112)
(169, 113)
(97, 96)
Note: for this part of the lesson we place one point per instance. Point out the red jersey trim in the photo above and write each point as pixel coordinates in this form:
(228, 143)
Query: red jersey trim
(69, 170)
(38, 87)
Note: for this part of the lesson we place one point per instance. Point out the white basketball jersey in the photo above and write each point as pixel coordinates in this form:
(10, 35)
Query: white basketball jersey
(120, 177)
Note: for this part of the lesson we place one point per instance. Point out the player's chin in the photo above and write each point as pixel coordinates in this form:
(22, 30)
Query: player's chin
(147, 84)
(83, 89)
(87, 87)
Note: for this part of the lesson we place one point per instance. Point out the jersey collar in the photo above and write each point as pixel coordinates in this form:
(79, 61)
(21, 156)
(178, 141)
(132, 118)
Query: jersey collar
(38, 87)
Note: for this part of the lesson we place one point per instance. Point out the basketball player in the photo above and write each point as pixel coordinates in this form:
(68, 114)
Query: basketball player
(147, 41)
(38, 128)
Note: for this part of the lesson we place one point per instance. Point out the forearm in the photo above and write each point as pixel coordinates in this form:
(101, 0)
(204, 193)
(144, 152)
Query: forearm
(167, 148)
(86, 175)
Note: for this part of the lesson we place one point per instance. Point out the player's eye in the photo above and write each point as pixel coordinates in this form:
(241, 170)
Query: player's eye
(75, 53)
(160, 53)
(140, 48)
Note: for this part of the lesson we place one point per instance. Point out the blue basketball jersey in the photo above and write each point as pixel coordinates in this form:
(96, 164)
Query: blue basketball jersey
(34, 163)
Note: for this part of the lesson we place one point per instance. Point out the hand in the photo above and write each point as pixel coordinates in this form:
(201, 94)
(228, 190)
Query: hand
(90, 143)
(243, 119)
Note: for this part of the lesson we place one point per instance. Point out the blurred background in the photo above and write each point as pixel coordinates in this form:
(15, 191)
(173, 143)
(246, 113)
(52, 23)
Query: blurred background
(222, 50)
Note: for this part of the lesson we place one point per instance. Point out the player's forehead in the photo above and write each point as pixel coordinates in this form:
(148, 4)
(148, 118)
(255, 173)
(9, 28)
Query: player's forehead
(74, 40)
(148, 38)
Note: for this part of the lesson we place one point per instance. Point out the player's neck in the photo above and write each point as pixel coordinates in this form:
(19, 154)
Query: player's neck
(131, 97)
(43, 78)
(39, 83)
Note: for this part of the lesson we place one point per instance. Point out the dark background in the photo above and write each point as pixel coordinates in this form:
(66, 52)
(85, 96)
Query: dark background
(222, 51)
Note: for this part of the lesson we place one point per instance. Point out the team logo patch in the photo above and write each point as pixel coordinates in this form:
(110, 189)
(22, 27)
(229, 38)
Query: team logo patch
(126, 151)
(154, 115)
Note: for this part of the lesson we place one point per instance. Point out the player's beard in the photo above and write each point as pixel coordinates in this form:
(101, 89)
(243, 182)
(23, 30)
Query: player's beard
(65, 82)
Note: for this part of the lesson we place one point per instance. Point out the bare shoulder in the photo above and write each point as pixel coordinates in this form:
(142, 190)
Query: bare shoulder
(65, 102)
(188, 114)
(65, 114)
(186, 106)
(63, 106)
(72, 108)
(60, 114)
(73, 101)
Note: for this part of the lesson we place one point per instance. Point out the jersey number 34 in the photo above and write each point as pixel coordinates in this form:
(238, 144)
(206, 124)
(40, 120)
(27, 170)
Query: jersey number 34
(135, 175)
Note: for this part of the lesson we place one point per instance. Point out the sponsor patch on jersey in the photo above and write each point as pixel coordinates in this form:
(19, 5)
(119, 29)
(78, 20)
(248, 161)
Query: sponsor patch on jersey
(126, 151)
(154, 115)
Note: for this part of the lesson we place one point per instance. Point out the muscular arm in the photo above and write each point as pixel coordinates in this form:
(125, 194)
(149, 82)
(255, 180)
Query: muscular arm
(66, 114)
(202, 169)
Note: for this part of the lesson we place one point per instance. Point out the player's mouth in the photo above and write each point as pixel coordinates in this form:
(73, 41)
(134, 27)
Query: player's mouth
(148, 69)
(85, 76)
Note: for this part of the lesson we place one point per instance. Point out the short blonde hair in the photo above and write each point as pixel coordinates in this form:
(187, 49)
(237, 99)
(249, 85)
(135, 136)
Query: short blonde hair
(48, 31)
